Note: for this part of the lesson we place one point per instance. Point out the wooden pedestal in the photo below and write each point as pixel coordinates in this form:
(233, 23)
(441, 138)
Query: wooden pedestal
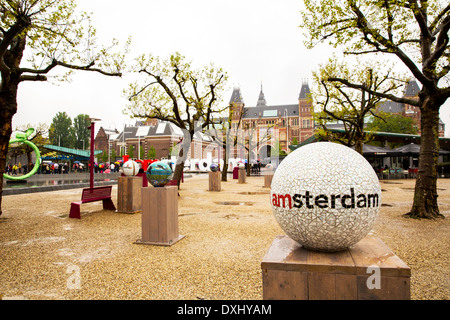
(368, 270)
(242, 175)
(215, 179)
(129, 198)
(268, 179)
(160, 216)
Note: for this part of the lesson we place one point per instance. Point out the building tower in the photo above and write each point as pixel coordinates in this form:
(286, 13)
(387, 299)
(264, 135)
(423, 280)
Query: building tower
(305, 110)
(261, 99)
(412, 92)
(236, 104)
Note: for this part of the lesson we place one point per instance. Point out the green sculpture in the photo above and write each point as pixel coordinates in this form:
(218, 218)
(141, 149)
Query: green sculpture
(23, 138)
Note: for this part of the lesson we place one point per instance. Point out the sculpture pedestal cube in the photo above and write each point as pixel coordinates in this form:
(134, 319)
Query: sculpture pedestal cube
(215, 179)
(160, 216)
(268, 179)
(368, 270)
(242, 175)
(129, 199)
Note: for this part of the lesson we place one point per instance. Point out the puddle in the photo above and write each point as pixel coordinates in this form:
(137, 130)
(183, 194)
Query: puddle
(235, 203)
(254, 192)
(10, 184)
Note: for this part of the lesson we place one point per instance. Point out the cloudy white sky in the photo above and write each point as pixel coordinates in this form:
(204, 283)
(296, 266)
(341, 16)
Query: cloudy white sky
(255, 41)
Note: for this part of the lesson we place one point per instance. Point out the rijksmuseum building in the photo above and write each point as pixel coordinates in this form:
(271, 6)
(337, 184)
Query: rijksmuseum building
(292, 122)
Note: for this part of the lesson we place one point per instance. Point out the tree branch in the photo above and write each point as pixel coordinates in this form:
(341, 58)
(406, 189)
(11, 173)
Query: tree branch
(170, 94)
(88, 68)
(37, 77)
(378, 94)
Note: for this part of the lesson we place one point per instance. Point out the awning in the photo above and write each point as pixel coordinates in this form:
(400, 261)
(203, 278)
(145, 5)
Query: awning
(374, 151)
(414, 149)
(77, 154)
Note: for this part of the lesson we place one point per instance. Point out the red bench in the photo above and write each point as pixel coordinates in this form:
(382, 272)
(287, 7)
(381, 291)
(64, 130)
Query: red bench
(91, 195)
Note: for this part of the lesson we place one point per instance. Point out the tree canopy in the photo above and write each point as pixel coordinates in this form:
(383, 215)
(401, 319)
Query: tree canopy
(81, 131)
(61, 132)
(39, 36)
(174, 90)
(388, 122)
(337, 102)
(415, 34)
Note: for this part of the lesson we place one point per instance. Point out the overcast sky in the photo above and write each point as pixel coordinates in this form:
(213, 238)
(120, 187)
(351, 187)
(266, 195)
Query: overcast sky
(255, 41)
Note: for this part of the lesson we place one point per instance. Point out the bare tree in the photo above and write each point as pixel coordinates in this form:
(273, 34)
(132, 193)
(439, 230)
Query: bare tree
(173, 91)
(416, 34)
(54, 36)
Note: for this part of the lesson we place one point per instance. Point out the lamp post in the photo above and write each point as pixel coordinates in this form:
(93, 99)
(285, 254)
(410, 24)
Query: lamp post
(139, 147)
(91, 158)
(287, 130)
(125, 145)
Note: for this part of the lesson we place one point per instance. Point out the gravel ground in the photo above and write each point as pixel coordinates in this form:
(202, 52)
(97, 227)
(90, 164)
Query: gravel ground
(227, 234)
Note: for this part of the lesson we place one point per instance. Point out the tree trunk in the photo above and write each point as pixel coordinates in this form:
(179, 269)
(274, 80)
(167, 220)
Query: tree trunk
(248, 163)
(178, 172)
(425, 204)
(225, 170)
(182, 156)
(359, 145)
(8, 107)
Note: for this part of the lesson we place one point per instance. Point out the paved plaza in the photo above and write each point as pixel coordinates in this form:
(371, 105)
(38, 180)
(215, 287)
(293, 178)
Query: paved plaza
(46, 255)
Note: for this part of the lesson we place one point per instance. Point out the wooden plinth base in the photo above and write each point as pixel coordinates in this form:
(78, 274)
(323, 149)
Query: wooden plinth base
(160, 216)
(215, 179)
(129, 199)
(268, 180)
(369, 270)
(168, 244)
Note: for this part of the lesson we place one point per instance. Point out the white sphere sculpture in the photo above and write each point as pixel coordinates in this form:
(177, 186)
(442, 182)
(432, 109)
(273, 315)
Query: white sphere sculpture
(130, 168)
(325, 196)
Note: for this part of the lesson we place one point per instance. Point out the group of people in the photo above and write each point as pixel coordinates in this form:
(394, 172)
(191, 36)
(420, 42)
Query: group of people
(255, 167)
(101, 168)
(59, 168)
(54, 168)
(51, 168)
(15, 169)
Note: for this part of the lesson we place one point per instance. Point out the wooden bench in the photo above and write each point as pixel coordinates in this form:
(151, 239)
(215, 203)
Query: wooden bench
(91, 195)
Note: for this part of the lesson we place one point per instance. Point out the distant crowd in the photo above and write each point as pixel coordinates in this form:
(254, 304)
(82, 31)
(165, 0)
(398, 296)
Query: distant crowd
(16, 169)
(60, 168)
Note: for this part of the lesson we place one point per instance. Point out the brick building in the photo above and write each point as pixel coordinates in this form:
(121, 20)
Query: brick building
(290, 122)
(284, 124)
(411, 91)
(162, 136)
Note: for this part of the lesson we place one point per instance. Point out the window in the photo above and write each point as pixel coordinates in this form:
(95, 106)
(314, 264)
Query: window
(306, 123)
